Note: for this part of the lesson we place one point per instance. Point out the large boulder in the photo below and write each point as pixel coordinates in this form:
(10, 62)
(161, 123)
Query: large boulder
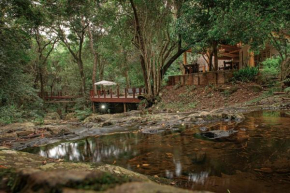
(16, 130)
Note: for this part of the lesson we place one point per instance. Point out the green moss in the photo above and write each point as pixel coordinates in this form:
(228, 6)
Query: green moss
(101, 183)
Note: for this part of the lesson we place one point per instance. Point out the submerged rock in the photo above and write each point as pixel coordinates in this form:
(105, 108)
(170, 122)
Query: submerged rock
(216, 134)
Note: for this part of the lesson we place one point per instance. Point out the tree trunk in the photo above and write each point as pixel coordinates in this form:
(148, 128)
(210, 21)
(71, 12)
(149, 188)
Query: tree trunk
(83, 80)
(41, 83)
(215, 53)
(210, 61)
(95, 55)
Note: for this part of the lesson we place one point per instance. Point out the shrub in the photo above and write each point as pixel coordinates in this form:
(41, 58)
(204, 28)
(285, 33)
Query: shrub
(287, 90)
(246, 74)
(82, 114)
(10, 114)
(271, 69)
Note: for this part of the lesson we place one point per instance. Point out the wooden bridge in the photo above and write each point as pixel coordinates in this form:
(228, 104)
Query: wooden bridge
(58, 97)
(130, 95)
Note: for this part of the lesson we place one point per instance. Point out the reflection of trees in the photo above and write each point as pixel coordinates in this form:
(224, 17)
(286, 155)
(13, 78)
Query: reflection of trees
(178, 154)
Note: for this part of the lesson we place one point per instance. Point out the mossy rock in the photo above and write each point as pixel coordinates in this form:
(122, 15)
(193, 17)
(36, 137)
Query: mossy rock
(52, 116)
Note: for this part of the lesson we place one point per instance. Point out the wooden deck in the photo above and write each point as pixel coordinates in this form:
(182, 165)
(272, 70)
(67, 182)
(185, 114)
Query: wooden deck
(108, 96)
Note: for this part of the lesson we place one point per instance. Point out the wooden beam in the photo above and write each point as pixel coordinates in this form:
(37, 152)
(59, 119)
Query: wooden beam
(230, 55)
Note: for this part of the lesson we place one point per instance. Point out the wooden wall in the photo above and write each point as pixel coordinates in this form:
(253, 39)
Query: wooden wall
(206, 78)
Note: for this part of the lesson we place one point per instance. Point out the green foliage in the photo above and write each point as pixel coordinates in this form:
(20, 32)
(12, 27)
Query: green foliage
(287, 90)
(271, 69)
(10, 114)
(82, 114)
(246, 74)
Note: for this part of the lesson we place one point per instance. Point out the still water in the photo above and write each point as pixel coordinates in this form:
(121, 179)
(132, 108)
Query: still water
(253, 156)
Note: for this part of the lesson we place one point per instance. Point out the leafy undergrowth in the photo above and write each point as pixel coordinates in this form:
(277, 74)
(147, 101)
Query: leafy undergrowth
(190, 98)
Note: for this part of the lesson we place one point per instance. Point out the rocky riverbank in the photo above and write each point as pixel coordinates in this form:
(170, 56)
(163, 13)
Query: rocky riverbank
(22, 135)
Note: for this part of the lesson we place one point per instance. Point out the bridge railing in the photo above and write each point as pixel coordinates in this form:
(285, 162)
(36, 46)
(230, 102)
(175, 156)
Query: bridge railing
(109, 93)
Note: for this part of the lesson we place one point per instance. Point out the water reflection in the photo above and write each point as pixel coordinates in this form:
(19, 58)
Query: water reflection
(196, 157)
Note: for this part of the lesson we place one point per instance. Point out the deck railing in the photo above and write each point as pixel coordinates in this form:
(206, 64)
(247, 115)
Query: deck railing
(109, 93)
(56, 95)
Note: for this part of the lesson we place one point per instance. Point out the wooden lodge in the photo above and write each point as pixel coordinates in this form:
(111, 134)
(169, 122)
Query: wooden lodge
(230, 58)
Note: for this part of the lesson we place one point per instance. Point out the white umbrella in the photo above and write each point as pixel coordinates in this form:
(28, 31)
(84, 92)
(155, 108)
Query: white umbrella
(105, 83)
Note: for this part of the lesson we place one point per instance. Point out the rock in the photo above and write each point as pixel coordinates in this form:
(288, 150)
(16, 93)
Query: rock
(95, 119)
(148, 187)
(8, 136)
(70, 117)
(16, 129)
(204, 114)
(107, 123)
(55, 129)
(52, 116)
(24, 133)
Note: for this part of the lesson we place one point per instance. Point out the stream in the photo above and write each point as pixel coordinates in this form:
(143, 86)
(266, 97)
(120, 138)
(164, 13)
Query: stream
(252, 156)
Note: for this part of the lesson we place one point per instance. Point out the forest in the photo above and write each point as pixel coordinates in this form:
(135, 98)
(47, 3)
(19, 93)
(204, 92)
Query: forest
(208, 79)
(68, 45)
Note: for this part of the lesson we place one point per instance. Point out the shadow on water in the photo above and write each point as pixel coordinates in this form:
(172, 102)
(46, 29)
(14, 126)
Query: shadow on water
(253, 156)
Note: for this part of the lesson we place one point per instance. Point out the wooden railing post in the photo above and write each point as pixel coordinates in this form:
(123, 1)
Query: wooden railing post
(125, 93)
(104, 91)
(111, 93)
(134, 91)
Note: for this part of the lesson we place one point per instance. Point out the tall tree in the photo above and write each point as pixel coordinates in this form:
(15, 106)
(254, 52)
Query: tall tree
(158, 49)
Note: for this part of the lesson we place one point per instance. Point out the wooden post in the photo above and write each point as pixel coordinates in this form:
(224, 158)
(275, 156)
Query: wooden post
(125, 109)
(134, 91)
(111, 93)
(252, 59)
(94, 110)
(125, 93)
(104, 91)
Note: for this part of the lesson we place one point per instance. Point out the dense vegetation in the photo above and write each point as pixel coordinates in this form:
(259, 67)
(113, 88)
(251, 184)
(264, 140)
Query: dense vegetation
(66, 45)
